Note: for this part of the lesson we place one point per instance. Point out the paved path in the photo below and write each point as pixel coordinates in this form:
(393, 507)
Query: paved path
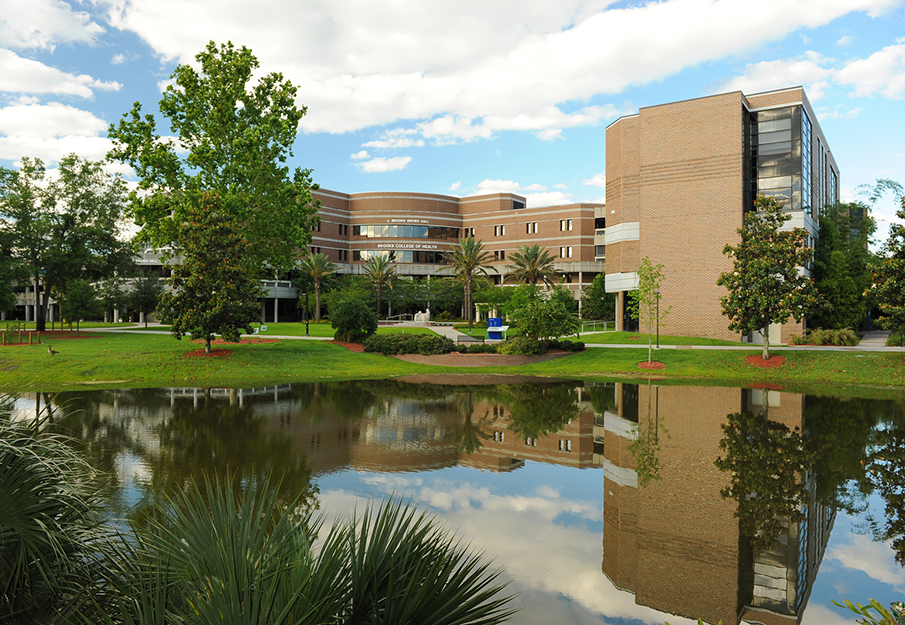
(872, 342)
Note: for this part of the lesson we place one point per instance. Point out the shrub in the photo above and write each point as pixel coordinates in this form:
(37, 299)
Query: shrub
(482, 348)
(522, 346)
(896, 339)
(353, 321)
(424, 344)
(845, 336)
(566, 346)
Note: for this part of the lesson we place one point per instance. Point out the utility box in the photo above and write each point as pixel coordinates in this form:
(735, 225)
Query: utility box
(496, 331)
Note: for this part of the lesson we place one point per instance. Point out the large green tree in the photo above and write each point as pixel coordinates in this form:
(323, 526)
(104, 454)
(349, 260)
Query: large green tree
(79, 301)
(379, 271)
(596, 303)
(841, 260)
(532, 264)
(147, 287)
(234, 132)
(318, 268)
(213, 292)
(766, 285)
(889, 274)
(469, 259)
(64, 229)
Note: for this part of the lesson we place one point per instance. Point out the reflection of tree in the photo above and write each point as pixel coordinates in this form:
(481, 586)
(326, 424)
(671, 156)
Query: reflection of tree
(602, 397)
(536, 410)
(885, 471)
(767, 463)
(217, 438)
(646, 446)
(469, 433)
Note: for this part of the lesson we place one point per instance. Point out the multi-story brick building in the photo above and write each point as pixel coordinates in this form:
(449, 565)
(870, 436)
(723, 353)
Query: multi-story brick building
(680, 177)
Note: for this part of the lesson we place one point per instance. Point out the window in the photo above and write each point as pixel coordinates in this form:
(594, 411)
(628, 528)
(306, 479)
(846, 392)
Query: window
(498, 231)
(600, 251)
(565, 224)
(531, 227)
(565, 252)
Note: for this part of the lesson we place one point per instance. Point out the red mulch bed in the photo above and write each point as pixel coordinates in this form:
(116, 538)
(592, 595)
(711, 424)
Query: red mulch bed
(651, 365)
(244, 341)
(758, 361)
(215, 353)
(352, 347)
(55, 336)
(768, 387)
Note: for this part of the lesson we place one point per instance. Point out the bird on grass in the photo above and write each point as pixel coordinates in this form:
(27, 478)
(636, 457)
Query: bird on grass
(51, 351)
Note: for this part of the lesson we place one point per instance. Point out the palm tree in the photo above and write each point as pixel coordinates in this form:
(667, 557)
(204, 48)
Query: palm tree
(468, 259)
(532, 263)
(380, 271)
(318, 267)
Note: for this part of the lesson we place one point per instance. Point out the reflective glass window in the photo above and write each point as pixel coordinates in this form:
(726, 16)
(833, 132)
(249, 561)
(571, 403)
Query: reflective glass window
(783, 147)
(771, 126)
(774, 137)
(774, 182)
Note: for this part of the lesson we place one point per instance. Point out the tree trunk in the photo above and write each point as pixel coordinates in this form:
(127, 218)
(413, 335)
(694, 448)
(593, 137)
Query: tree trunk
(207, 345)
(378, 301)
(766, 333)
(469, 309)
(317, 302)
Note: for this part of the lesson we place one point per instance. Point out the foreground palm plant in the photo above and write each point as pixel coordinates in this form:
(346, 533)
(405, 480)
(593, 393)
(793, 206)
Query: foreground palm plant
(211, 557)
(52, 534)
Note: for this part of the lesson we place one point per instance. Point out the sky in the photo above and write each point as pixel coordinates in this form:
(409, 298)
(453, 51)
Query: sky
(462, 98)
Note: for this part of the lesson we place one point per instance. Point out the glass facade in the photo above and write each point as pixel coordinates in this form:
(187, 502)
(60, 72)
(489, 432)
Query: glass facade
(402, 256)
(778, 142)
(391, 231)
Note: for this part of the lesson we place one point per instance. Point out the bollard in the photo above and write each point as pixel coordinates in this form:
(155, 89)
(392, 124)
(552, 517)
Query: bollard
(39, 338)
(29, 338)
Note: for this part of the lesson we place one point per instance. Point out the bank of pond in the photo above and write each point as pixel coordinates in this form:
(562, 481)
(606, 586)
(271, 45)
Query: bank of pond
(600, 501)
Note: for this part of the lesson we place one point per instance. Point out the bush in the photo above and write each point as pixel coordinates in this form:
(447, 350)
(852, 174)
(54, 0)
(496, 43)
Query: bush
(353, 321)
(482, 348)
(845, 336)
(522, 346)
(566, 346)
(896, 339)
(424, 344)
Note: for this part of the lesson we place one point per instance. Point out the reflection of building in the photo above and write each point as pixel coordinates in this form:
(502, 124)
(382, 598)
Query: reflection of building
(675, 544)
(681, 175)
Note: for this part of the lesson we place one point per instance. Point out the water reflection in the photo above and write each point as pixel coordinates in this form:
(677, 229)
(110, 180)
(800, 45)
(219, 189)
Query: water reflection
(617, 474)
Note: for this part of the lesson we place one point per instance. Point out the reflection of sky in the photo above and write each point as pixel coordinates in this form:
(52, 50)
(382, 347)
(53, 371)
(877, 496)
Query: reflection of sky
(856, 568)
(542, 523)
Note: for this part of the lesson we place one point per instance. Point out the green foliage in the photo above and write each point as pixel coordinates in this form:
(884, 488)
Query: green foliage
(353, 321)
(111, 295)
(844, 336)
(522, 298)
(540, 409)
(477, 348)
(888, 274)
(645, 449)
(147, 287)
(468, 260)
(895, 615)
(522, 346)
(236, 128)
(532, 264)
(564, 296)
(79, 301)
(318, 268)
(566, 346)
(767, 463)
(424, 344)
(765, 285)
(64, 229)
(885, 473)
(51, 531)
(213, 291)
(596, 303)
(644, 302)
(841, 259)
(379, 271)
(546, 320)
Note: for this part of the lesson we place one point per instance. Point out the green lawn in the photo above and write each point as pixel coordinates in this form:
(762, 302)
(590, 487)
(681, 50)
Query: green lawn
(57, 326)
(623, 338)
(298, 329)
(146, 360)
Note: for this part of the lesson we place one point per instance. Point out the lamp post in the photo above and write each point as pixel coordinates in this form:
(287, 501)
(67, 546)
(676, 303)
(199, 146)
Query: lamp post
(658, 319)
(306, 313)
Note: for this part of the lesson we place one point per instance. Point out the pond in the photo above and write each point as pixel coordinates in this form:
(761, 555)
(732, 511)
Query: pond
(604, 503)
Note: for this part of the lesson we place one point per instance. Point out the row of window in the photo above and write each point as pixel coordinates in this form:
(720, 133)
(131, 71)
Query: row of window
(402, 256)
(389, 231)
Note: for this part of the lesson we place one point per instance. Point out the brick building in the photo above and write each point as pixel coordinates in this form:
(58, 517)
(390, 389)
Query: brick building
(680, 177)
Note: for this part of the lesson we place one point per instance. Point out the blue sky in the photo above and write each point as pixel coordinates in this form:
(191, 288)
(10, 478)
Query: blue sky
(466, 97)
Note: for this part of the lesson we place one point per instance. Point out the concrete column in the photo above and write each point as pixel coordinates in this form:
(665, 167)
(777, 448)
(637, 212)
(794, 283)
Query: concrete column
(276, 309)
(141, 317)
(264, 310)
(2, 316)
(50, 318)
(620, 307)
(115, 315)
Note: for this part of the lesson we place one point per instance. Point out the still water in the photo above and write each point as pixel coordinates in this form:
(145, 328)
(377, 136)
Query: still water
(604, 503)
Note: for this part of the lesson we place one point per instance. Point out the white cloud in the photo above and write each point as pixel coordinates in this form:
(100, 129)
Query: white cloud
(870, 557)
(560, 186)
(21, 75)
(597, 180)
(455, 186)
(51, 131)
(535, 195)
(550, 134)
(361, 155)
(845, 40)
(838, 112)
(464, 77)
(380, 164)
(43, 24)
(396, 138)
(882, 72)
(118, 59)
(809, 71)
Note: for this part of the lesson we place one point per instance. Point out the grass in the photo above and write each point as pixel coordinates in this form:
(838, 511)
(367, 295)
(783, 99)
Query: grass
(144, 360)
(321, 330)
(634, 338)
(57, 326)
